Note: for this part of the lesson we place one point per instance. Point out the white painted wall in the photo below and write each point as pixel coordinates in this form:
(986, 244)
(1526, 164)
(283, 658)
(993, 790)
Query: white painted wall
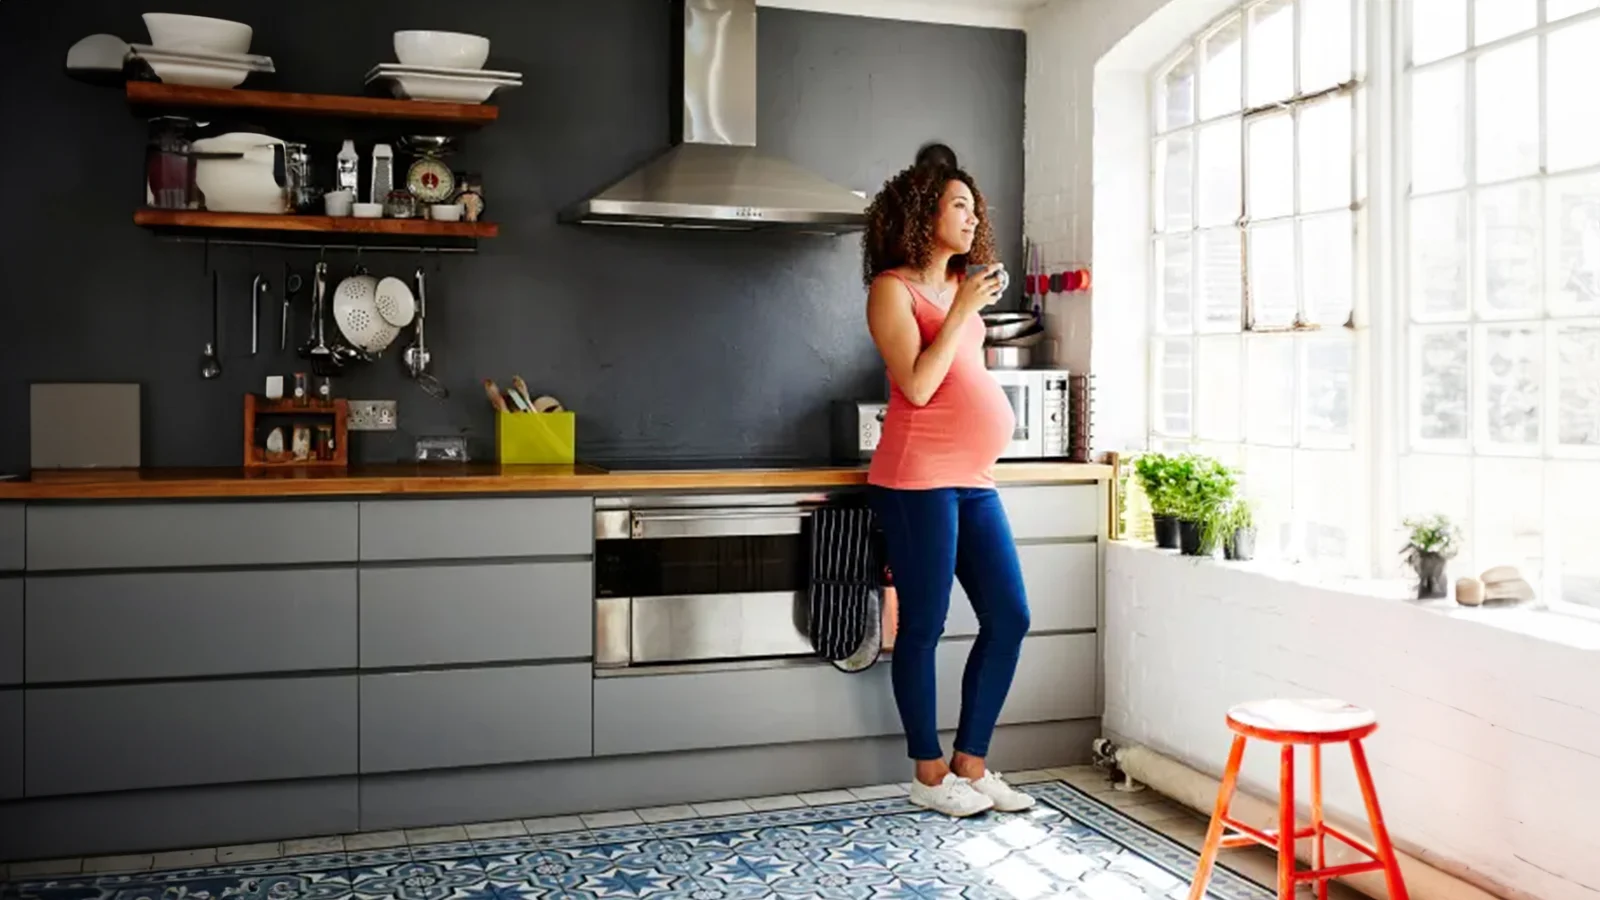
(1487, 761)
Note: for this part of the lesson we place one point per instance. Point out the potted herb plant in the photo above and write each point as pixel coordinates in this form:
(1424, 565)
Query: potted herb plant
(1239, 531)
(1155, 474)
(1435, 540)
(1204, 489)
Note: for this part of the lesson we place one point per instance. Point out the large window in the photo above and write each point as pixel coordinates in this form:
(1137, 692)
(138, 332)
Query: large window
(1501, 297)
(1258, 310)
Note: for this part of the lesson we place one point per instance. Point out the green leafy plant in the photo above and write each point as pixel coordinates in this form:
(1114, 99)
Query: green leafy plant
(1156, 479)
(1239, 516)
(1202, 488)
(1433, 535)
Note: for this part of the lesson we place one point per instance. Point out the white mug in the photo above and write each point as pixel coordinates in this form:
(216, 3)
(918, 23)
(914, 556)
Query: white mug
(338, 203)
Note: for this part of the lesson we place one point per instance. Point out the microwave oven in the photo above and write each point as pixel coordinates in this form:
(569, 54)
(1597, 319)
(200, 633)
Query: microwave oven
(1038, 398)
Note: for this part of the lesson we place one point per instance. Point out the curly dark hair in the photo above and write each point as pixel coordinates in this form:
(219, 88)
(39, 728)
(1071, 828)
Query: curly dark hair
(901, 219)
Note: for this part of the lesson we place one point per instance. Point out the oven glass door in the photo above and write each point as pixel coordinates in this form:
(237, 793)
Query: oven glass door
(1021, 393)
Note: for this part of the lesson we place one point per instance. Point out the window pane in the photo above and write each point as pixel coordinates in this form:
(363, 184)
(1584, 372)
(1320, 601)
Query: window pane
(1220, 80)
(1495, 19)
(1325, 151)
(1174, 386)
(1269, 184)
(1269, 389)
(1577, 352)
(1219, 410)
(1328, 267)
(1508, 249)
(1175, 175)
(1438, 129)
(1272, 290)
(1221, 280)
(1560, 9)
(1271, 52)
(1219, 173)
(1573, 72)
(1175, 288)
(1440, 383)
(1507, 86)
(1326, 389)
(1573, 211)
(1268, 479)
(1325, 505)
(1438, 29)
(1324, 44)
(1175, 95)
(1439, 242)
(1432, 484)
(1508, 515)
(1573, 489)
(1510, 366)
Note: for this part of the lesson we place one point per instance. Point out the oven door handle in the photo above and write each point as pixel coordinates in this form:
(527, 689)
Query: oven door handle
(729, 523)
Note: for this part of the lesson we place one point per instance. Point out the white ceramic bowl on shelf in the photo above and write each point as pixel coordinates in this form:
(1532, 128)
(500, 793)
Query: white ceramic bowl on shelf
(197, 34)
(445, 49)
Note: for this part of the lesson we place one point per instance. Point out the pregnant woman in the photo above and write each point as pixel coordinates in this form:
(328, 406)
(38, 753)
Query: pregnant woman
(932, 481)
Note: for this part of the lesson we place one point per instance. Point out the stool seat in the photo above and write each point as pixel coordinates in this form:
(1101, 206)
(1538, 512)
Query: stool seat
(1310, 721)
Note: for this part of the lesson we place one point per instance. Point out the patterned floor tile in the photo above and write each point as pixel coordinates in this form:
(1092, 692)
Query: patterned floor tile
(458, 879)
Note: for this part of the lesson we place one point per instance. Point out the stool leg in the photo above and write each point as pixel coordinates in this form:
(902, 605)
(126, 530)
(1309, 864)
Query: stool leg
(1213, 844)
(1286, 824)
(1380, 834)
(1319, 857)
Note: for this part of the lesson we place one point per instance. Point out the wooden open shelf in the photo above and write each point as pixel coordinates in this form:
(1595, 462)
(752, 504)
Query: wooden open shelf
(179, 96)
(186, 218)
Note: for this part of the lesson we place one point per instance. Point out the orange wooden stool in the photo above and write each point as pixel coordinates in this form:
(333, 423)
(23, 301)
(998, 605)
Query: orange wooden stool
(1289, 723)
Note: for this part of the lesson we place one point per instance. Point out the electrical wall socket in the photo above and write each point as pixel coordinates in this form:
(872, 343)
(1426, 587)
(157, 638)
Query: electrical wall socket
(374, 415)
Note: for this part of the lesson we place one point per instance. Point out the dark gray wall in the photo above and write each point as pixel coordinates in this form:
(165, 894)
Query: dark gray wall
(667, 344)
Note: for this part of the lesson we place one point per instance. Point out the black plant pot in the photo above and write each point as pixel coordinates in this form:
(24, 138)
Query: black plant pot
(1191, 540)
(1166, 531)
(1243, 545)
(1431, 582)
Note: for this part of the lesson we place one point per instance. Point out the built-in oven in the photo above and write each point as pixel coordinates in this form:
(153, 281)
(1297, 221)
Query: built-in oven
(702, 579)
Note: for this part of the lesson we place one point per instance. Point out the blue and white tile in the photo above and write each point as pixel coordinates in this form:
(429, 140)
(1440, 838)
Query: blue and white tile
(453, 879)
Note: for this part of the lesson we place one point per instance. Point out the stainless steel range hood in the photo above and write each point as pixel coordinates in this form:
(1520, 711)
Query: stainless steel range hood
(714, 177)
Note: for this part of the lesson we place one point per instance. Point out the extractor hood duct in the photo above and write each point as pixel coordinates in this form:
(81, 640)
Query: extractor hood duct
(714, 177)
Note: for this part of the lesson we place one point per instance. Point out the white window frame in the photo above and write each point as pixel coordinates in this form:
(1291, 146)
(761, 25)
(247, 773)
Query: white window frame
(1402, 320)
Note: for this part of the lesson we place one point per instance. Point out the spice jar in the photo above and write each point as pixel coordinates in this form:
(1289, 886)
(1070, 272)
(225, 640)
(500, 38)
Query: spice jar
(325, 447)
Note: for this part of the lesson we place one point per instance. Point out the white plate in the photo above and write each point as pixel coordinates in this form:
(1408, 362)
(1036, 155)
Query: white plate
(256, 63)
(399, 69)
(442, 88)
(215, 75)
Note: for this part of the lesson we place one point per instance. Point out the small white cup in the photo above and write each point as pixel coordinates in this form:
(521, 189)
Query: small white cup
(367, 210)
(446, 212)
(274, 387)
(338, 203)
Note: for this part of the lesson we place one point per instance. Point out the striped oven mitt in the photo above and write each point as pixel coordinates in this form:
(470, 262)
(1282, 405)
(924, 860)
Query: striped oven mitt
(845, 601)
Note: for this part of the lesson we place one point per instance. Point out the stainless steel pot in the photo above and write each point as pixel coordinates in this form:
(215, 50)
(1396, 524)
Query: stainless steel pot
(1007, 357)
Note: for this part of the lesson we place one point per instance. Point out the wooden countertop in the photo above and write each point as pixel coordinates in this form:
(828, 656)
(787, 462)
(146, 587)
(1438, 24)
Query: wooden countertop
(474, 478)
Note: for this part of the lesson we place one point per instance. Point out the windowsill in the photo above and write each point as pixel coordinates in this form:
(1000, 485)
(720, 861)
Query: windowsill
(1575, 628)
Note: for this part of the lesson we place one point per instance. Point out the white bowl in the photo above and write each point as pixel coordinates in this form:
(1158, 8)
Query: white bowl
(367, 210)
(197, 73)
(199, 34)
(446, 212)
(447, 49)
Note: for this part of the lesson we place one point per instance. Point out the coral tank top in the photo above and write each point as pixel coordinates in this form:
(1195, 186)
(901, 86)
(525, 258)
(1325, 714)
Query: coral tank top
(955, 439)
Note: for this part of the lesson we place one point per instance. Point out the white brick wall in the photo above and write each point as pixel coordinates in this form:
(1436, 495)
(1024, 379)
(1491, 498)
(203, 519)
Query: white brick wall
(1488, 758)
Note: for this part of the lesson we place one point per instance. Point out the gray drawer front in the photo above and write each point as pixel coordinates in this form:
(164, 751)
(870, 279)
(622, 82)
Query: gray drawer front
(163, 735)
(1054, 511)
(10, 744)
(1055, 680)
(175, 535)
(474, 717)
(1062, 581)
(476, 529)
(435, 615)
(658, 713)
(10, 630)
(183, 624)
(12, 538)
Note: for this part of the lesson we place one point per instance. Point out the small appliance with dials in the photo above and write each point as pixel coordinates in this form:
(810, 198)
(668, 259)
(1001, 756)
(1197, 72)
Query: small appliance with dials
(1039, 398)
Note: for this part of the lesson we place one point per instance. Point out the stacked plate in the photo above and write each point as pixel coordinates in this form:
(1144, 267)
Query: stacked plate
(442, 66)
(197, 50)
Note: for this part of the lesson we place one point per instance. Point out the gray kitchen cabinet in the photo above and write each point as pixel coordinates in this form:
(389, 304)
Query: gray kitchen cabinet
(11, 631)
(146, 625)
(10, 744)
(122, 737)
(1054, 511)
(1063, 586)
(475, 717)
(12, 536)
(486, 612)
(477, 528)
(189, 535)
(737, 708)
(1055, 680)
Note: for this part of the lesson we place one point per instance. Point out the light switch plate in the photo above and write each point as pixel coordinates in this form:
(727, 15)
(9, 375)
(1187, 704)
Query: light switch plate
(374, 415)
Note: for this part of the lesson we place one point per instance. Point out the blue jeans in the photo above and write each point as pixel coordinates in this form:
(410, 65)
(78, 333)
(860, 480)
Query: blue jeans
(932, 538)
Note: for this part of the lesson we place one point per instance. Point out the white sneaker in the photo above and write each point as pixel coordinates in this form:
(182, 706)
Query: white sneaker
(953, 796)
(1005, 797)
